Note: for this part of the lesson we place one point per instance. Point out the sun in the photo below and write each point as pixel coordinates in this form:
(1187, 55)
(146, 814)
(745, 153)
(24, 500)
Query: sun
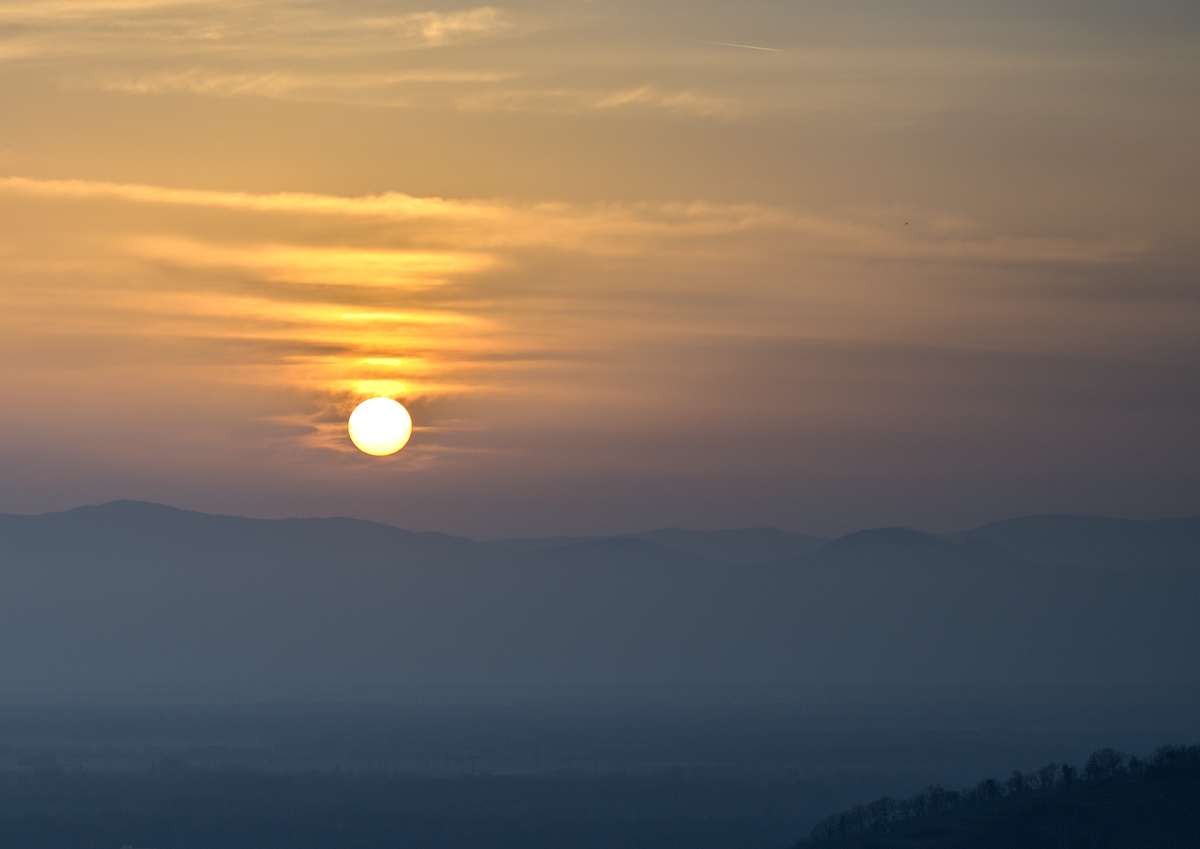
(380, 426)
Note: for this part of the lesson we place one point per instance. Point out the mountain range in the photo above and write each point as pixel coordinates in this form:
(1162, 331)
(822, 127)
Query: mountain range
(131, 599)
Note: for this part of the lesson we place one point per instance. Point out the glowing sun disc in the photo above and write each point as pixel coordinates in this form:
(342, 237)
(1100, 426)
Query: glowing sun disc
(380, 426)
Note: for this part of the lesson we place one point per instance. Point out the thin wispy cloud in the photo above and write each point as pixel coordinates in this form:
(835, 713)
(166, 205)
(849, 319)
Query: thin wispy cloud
(445, 301)
(367, 55)
(743, 46)
(72, 9)
(378, 88)
(621, 228)
(646, 99)
(150, 29)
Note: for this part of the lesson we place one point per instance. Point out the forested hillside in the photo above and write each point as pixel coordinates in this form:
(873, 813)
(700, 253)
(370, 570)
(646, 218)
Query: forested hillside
(1113, 802)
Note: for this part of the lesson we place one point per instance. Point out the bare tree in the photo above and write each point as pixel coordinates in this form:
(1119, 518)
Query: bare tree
(1104, 763)
(938, 798)
(1016, 782)
(989, 788)
(881, 811)
(1169, 756)
(1044, 777)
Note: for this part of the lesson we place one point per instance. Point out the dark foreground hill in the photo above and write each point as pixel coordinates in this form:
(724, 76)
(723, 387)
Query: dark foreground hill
(176, 806)
(129, 599)
(1113, 803)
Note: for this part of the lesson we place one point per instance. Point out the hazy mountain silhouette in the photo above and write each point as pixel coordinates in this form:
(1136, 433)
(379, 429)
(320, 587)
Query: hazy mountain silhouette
(1091, 542)
(136, 598)
(902, 547)
(744, 545)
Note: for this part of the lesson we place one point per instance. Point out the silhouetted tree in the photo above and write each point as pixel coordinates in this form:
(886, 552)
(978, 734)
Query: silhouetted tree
(1167, 759)
(881, 811)
(1043, 779)
(1171, 755)
(1104, 763)
(1016, 782)
(853, 820)
(939, 799)
(989, 788)
(826, 829)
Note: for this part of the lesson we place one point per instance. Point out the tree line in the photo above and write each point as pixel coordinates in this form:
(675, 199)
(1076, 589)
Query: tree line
(1102, 765)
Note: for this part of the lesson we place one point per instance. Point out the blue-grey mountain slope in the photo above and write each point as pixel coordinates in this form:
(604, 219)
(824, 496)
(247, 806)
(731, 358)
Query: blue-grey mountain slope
(1084, 541)
(743, 545)
(128, 598)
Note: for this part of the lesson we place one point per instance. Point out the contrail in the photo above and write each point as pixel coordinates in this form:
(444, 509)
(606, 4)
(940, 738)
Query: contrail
(746, 46)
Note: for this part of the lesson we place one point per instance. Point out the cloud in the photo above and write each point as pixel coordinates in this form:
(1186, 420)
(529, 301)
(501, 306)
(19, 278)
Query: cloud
(544, 59)
(378, 88)
(336, 266)
(617, 229)
(329, 296)
(393, 205)
(227, 335)
(83, 9)
(440, 28)
(133, 31)
(684, 104)
(254, 16)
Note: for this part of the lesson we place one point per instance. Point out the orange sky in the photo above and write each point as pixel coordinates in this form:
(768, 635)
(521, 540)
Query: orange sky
(928, 264)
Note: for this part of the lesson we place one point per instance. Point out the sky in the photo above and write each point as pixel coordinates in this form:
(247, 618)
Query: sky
(816, 265)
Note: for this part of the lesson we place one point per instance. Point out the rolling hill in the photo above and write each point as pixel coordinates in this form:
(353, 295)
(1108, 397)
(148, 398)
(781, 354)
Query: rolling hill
(131, 597)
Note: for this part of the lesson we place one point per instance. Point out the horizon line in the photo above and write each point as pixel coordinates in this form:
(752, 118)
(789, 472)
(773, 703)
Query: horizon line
(601, 536)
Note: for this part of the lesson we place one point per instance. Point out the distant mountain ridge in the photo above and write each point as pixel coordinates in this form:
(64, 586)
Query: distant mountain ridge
(742, 545)
(130, 594)
(1076, 540)
(1095, 541)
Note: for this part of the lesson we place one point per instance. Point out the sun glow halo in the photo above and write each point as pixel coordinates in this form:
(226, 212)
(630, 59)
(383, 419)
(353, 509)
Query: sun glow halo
(380, 426)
